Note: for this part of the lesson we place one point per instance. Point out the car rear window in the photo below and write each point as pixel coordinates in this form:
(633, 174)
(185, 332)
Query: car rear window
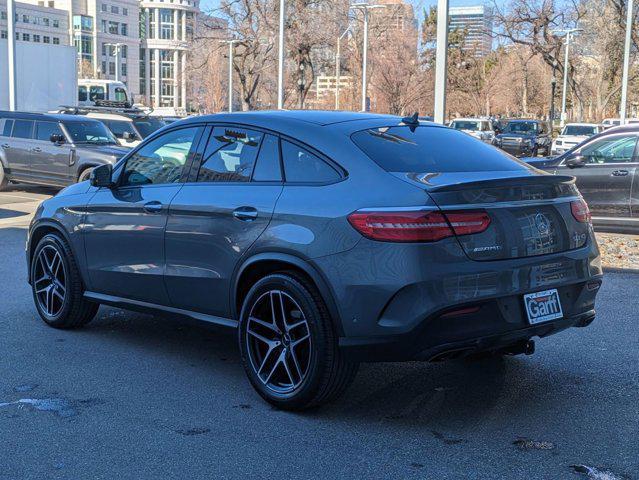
(432, 149)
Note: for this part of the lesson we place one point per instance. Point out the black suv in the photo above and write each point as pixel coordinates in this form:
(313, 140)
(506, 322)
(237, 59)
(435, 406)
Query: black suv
(55, 150)
(525, 138)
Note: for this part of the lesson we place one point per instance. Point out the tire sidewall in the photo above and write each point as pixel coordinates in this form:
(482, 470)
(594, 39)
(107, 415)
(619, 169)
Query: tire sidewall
(85, 174)
(313, 316)
(54, 241)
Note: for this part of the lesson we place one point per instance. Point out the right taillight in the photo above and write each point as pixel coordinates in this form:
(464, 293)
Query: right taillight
(400, 226)
(580, 211)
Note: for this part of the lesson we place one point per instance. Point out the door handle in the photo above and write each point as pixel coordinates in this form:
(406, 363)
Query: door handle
(620, 173)
(152, 207)
(6, 145)
(36, 149)
(246, 214)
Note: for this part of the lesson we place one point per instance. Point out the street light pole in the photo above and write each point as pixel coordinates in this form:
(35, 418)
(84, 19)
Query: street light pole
(365, 7)
(441, 61)
(230, 95)
(280, 71)
(338, 59)
(553, 86)
(11, 54)
(626, 64)
(116, 53)
(568, 32)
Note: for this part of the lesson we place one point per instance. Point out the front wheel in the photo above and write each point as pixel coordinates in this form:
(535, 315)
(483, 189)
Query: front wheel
(288, 344)
(85, 174)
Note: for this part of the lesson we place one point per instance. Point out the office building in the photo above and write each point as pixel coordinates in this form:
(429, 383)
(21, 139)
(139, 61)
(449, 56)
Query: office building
(477, 24)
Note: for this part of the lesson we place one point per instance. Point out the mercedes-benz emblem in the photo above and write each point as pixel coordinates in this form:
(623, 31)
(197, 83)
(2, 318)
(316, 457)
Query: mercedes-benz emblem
(542, 223)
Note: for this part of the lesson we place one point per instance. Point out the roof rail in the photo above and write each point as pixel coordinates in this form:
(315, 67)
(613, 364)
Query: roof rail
(83, 110)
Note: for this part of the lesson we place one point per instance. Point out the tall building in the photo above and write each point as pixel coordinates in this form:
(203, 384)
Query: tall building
(477, 23)
(36, 23)
(166, 32)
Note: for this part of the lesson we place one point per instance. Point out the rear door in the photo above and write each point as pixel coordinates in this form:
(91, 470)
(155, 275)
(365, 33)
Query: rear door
(218, 215)
(606, 179)
(18, 148)
(50, 160)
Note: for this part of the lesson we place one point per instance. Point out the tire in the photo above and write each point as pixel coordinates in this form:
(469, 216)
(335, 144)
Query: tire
(310, 372)
(4, 181)
(57, 287)
(85, 174)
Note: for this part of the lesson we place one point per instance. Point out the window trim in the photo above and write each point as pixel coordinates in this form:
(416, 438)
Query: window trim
(119, 167)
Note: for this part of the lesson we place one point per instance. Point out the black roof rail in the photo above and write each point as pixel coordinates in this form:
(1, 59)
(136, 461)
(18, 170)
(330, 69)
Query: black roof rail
(83, 110)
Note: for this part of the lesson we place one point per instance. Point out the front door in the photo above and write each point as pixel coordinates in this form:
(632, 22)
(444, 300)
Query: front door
(124, 231)
(50, 160)
(218, 215)
(605, 180)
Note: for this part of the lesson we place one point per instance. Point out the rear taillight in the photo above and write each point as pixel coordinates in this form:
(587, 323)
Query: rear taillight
(580, 211)
(398, 226)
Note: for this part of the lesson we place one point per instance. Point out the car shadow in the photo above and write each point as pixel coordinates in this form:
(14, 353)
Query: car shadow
(33, 189)
(8, 213)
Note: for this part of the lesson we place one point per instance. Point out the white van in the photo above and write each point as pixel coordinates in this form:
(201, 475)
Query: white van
(95, 92)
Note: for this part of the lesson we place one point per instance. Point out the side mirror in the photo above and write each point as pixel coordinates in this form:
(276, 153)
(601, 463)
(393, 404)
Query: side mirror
(576, 161)
(57, 138)
(102, 176)
(129, 137)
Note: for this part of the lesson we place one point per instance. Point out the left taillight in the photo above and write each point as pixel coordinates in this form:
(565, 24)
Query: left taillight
(580, 211)
(400, 226)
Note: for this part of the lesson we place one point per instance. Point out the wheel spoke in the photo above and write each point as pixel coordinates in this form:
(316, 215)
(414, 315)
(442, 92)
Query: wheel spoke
(295, 325)
(55, 264)
(266, 357)
(40, 290)
(277, 363)
(270, 326)
(286, 367)
(49, 299)
(262, 338)
(296, 342)
(58, 294)
(296, 364)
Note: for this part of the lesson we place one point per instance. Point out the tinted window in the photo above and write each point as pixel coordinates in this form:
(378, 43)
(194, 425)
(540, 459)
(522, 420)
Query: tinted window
(430, 150)
(581, 130)
(267, 168)
(465, 125)
(230, 155)
(96, 93)
(82, 94)
(160, 161)
(44, 130)
(300, 165)
(22, 129)
(521, 127)
(617, 149)
(119, 127)
(6, 129)
(120, 94)
(147, 126)
(89, 131)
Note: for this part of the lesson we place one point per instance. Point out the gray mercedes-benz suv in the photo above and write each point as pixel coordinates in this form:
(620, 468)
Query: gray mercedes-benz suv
(326, 239)
(53, 149)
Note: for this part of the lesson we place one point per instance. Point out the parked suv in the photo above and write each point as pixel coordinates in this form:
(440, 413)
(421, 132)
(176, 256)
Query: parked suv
(606, 168)
(480, 128)
(130, 125)
(325, 239)
(525, 138)
(52, 149)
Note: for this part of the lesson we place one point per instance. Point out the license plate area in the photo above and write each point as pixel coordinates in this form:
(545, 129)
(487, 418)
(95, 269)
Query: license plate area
(543, 306)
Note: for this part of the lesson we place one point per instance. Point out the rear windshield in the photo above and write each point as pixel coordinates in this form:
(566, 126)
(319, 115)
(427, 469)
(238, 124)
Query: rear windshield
(465, 125)
(146, 126)
(579, 130)
(432, 150)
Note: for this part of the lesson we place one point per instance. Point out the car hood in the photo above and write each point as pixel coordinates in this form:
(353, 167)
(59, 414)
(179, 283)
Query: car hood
(572, 138)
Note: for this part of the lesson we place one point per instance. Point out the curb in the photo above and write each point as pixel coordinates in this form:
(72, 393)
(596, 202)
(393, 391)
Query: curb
(631, 271)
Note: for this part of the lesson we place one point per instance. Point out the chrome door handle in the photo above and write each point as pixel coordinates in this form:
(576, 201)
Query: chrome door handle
(152, 207)
(36, 149)
(620, 173)
(246, 214)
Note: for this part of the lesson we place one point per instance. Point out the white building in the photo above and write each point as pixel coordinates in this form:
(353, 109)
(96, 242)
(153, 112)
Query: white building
(37, 23)
(477, 23)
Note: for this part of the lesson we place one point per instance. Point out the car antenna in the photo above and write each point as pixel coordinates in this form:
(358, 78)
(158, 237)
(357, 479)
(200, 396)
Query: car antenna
(412, 121)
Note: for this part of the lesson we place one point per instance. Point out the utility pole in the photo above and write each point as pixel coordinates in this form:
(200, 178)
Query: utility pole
(338, 60)
(441, 61)
(231, 43)
(365, 7)
(11, 54)
(568, 32)
(553, 86)
(280, 70)
(626, 63)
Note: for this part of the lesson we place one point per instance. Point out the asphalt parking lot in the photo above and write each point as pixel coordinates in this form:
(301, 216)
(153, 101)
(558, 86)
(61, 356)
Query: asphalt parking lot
(141, 397)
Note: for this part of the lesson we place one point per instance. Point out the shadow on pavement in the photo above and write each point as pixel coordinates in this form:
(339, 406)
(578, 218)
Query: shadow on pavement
(7, 213)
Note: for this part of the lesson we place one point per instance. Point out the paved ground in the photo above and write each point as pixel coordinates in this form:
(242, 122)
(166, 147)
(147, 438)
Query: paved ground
(134, 396)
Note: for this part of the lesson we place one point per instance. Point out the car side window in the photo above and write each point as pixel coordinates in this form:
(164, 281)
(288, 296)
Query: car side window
(617, 149)
(6, 125)
(82, 93)
(267, 167)
(22, 129)
(230, 155)
(161, 160)
(119, 128)
(302, 166)
(44, 130)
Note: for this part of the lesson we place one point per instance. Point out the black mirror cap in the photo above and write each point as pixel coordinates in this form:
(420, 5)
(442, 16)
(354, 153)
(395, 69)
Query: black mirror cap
(56, 138)
(102, 176)
(575, 161)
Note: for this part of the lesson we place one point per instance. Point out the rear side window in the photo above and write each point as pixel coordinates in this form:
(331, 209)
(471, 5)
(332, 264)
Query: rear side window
(7, 127)
(22, 129)
(230, 155)
(82, 93)
(119, 128)
(432, 150)
(302, 166)
(267, 168)
(44, 130)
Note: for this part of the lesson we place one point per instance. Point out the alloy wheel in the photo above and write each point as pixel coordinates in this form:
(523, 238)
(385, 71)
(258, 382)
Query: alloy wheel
(49, 282)
(278, 340)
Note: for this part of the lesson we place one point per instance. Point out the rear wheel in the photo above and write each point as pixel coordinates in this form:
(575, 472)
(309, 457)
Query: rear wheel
(289, 348)
(57, 286)
(4, 181)
(85, 174)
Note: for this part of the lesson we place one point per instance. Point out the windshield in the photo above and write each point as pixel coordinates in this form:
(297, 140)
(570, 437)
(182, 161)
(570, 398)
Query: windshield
(427, 150)
(146, 126)
(465, 125)
(92, 132)
(521, 127)
(579, 130)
